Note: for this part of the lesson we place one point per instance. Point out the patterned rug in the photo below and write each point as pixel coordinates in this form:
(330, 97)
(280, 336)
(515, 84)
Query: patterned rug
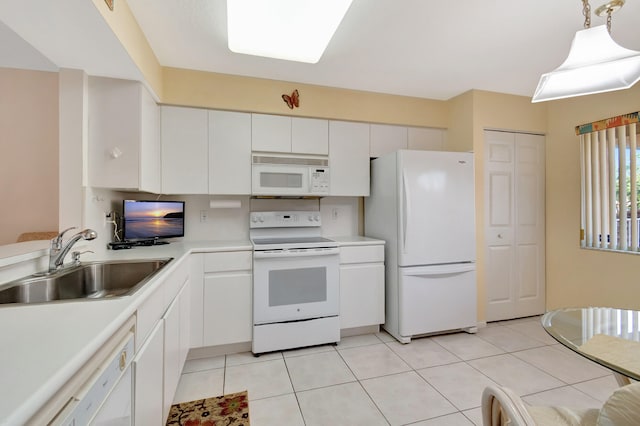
(227, 410)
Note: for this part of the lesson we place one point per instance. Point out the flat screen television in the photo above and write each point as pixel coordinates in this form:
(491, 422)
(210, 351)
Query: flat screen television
(148, 222)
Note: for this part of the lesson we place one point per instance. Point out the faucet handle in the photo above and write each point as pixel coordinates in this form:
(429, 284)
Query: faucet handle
(56, 243)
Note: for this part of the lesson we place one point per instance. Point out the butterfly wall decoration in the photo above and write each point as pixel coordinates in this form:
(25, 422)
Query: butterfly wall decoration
(292, 100)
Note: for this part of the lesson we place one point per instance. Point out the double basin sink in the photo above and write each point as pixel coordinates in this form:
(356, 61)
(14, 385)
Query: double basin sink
(90, 281)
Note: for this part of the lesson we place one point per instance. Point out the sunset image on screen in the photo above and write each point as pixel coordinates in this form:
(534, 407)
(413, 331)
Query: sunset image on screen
(153, 219)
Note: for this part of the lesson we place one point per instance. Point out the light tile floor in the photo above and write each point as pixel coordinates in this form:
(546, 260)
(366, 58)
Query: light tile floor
(374, 380)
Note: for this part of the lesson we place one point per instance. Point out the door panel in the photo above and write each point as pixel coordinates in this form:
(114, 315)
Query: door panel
(514, 225)
(500, 278)
(528, 271)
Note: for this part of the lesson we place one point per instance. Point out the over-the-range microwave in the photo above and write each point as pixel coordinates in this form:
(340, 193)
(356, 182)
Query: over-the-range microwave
(289, 175)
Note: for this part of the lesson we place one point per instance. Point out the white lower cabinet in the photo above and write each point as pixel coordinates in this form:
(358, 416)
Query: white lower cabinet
(148, 380)
(227, 312)
(158, 362)
(361, 285)
(172, 365)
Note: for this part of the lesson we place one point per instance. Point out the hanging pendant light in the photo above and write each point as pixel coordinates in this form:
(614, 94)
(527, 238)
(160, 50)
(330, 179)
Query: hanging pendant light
(595, 64)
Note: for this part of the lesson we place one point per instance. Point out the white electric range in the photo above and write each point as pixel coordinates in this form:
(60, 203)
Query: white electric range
(296, 281)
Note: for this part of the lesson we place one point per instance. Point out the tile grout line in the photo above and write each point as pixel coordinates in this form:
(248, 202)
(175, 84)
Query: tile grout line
(295, 393)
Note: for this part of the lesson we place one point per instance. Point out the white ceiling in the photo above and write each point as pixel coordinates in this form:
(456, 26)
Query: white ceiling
(423, 48)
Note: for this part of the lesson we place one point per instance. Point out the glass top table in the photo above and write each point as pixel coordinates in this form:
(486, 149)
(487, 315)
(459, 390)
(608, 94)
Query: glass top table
(607, 336)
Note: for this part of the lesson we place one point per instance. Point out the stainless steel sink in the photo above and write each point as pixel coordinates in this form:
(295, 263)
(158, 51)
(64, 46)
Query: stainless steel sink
(90, 280)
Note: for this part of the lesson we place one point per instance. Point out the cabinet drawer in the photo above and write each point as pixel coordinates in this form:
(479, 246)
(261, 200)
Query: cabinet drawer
(227, 261)
(175, 281)
(362, 254)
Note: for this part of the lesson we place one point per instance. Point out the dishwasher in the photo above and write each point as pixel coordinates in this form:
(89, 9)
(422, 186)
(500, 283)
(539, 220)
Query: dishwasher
(105, 397)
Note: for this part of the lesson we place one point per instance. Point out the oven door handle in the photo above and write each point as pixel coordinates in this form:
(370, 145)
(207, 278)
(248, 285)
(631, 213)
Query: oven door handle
(267, 254)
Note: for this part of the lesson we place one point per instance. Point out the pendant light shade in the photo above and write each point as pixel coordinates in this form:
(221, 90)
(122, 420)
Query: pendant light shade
(595, 64)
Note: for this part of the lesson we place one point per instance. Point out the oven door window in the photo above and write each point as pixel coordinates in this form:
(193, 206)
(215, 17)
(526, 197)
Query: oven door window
(280, 180)
(295, 286)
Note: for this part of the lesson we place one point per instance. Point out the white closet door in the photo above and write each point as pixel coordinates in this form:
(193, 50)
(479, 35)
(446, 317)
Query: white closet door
(514, 225)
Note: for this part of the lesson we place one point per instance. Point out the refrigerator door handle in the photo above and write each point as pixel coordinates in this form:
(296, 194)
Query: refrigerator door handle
(448, 269)
(405, 211)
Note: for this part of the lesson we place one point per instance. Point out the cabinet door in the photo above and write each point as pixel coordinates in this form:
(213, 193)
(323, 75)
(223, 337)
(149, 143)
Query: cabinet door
(228, 314)
(349, 158)
(229, 153)
(114, 133)
(150, 160)
(361, 295)
(386, 139)
(185, 150)
(426, 139)
(196, 279)
(185, 322)
(172, 366)
(148, 380)
(309, 136)
(271, 133)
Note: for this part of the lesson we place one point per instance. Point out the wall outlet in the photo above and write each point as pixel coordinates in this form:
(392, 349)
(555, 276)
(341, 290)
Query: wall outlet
(203, 215)
(108, 218)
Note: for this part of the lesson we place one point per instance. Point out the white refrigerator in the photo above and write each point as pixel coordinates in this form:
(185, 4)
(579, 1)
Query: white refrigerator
(422, 204)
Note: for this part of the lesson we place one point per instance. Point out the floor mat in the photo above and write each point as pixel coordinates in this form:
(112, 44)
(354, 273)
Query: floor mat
(228, 410)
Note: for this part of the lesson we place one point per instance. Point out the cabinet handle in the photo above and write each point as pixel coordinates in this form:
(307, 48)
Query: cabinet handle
(123, 360)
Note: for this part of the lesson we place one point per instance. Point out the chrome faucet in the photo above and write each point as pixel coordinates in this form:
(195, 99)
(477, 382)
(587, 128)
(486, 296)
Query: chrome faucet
(58, 251)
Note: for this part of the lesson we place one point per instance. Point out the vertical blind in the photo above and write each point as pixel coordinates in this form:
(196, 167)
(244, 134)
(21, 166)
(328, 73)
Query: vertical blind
(608, 151)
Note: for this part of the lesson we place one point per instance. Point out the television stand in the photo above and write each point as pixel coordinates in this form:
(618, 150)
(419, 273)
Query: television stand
(149, 243)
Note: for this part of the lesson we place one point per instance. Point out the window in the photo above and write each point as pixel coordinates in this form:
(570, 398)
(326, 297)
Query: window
(610, 158)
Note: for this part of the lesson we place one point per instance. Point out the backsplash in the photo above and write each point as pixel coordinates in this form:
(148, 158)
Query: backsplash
(340, 215)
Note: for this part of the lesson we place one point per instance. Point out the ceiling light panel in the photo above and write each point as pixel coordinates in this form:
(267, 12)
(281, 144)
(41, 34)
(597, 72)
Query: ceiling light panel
(293, 30)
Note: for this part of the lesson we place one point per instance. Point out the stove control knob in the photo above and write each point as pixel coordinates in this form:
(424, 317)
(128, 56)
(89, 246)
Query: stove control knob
(254, 219)
(261, 219)
(310, 218)
(316, 218)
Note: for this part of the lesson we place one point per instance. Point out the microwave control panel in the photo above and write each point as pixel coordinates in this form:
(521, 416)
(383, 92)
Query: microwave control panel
(319, 180)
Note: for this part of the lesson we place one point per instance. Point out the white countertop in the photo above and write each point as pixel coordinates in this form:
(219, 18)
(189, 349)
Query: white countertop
(355, 240)
(44, 345)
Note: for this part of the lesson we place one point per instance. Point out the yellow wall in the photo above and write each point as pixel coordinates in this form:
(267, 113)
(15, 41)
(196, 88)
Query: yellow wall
(579, 277)
(223, 91)
(126, 28)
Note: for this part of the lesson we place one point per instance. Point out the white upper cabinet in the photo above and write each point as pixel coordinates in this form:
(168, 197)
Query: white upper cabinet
(428, 139)
(185, 150)
(124, 148)
(309, 136)
(386, 139)
(271, 133)
(150, 149)
(277, 133)
(229, 153)
(349, 158)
